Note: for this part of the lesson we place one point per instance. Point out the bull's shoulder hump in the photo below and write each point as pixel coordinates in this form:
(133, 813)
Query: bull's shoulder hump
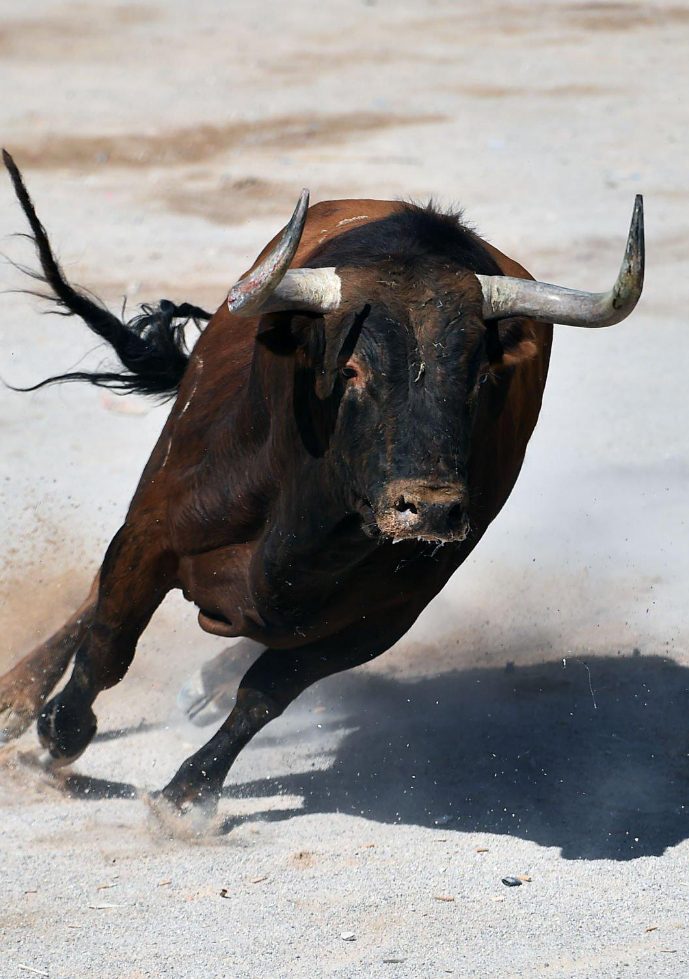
(352, 208)
(328, 219)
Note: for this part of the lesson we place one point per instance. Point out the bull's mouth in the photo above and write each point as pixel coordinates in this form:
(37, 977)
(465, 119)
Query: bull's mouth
(216, 623)
(395, 533)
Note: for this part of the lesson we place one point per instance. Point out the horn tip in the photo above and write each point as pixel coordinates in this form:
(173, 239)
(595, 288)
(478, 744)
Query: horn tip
(635, 243)
(641, 233)
(638, 215)
(299, 214)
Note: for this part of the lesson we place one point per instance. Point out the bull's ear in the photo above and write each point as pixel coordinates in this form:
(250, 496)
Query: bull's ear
(283, 333)
(508, 346)
(334, 337)
(318, 341)
(321, 342)
(524, 350)
(340, 335)
(325, 341)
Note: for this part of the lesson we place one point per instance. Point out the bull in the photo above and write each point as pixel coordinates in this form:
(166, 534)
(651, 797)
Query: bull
(351, 420)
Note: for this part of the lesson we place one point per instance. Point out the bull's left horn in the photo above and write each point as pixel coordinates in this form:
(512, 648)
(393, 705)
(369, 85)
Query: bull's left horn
(247, 296)
(504, 296)
(272, 286)
(307, 290)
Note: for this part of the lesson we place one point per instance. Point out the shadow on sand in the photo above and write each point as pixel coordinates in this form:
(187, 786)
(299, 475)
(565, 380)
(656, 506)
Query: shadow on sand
(587, 756)
(591, 756)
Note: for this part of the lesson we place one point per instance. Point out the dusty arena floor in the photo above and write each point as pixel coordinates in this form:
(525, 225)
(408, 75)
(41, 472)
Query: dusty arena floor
(535, 722)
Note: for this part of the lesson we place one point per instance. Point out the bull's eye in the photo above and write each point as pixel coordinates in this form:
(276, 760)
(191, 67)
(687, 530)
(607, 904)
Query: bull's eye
(349, 372)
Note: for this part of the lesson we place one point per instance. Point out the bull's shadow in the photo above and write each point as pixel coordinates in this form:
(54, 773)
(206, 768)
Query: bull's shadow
(592, 762)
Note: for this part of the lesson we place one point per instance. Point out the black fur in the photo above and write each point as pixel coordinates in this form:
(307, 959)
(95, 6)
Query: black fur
(409, 236)
(150, 346)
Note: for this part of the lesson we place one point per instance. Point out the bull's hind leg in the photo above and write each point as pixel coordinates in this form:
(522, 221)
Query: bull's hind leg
(26, 687)
(268, 687)
(134, 578)
(209, 694)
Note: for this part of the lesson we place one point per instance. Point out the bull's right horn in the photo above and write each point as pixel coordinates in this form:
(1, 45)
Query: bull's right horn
(504, 296)
(271, 286)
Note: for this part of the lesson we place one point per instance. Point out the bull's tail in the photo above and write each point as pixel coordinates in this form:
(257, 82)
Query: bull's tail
(150, 346)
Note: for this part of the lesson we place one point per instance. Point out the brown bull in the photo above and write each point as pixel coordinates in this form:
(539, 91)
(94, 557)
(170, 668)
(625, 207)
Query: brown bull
(348, 425)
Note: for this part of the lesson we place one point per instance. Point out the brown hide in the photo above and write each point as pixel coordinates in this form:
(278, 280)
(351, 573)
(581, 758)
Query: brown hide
(235, 510)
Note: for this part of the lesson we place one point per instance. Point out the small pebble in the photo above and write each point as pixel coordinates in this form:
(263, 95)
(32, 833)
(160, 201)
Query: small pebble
(511, 882)
(348, 936)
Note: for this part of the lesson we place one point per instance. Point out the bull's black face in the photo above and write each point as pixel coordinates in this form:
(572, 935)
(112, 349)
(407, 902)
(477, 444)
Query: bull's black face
(407, 379)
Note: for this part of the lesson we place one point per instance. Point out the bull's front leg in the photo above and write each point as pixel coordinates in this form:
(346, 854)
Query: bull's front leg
(269, 686)
(25, 688)
(134, 578)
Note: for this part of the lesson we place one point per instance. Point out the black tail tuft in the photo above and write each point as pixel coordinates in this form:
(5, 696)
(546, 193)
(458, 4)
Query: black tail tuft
(150, 346)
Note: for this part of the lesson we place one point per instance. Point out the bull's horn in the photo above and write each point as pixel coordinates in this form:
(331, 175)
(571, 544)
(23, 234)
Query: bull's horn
(247, 296)
(272, 286)
(308, 290)
(504, 296)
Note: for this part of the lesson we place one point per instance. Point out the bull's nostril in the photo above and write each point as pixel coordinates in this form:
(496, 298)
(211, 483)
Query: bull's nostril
(405, 506)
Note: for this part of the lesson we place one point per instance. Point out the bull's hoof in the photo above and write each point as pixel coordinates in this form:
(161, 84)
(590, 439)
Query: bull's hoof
(209, 695)
(190, 819)
(185, 793)
(21, 699)
(17, 713)
(65, 730)
(203, 702)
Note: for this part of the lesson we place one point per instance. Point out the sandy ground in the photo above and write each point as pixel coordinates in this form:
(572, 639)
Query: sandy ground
(534, 722)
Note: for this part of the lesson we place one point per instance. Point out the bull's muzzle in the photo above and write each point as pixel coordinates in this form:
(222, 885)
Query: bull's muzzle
(411, 509)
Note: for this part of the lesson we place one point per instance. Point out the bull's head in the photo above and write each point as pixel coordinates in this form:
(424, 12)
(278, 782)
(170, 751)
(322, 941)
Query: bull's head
(401, 349)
